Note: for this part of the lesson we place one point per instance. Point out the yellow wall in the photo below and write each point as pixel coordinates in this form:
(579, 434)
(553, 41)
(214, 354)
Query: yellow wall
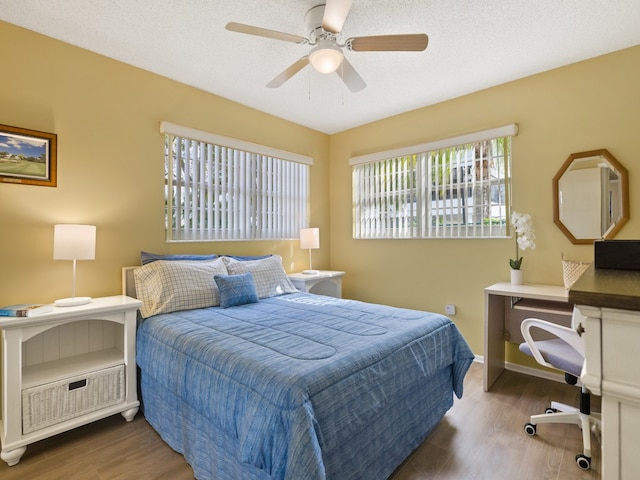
(110, 169)
(111, 166)
(590, 105)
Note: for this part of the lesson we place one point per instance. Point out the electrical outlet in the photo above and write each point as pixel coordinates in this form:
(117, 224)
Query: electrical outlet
(450, 309)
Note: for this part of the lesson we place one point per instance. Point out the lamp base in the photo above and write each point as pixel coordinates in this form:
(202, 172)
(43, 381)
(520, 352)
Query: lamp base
(311, 272)
(72, 302)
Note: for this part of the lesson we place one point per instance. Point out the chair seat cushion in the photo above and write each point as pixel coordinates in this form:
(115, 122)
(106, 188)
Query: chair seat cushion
(559, 354)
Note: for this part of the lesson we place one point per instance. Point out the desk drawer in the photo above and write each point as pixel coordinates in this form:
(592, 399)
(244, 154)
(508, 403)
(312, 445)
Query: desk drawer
(56, 402)
(554, 312)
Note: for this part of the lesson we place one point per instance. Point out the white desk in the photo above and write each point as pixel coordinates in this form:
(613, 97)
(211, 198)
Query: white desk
(506, 305)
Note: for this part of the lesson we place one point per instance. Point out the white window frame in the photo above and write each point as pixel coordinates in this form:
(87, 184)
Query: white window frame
(459, 187)
(262, 192)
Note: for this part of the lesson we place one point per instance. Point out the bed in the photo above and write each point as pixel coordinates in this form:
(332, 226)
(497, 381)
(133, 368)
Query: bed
(250, 379)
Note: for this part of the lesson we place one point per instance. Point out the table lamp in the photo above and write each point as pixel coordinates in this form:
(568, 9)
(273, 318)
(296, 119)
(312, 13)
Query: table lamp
(74, 242)
(310, 239)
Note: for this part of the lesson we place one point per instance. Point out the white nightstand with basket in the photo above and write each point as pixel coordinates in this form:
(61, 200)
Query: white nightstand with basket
(66, 368)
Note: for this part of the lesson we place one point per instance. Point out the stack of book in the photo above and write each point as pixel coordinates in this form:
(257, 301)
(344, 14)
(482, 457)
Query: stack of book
(26, 310)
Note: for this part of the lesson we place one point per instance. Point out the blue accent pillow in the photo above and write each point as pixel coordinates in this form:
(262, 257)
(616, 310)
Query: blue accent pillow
(146, 257)
(236, 289)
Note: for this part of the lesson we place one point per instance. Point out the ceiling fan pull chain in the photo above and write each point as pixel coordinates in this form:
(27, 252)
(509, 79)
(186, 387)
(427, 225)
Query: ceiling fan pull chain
(342, 86)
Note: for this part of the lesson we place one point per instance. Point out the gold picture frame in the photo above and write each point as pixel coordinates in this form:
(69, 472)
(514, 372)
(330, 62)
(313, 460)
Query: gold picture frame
(28, 157)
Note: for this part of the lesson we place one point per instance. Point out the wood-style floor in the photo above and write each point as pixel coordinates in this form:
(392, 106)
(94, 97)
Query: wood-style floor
(481, 437)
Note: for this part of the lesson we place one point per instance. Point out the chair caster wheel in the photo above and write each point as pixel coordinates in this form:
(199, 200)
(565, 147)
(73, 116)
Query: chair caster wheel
(583, 461)
(530, 429)
(551, 410)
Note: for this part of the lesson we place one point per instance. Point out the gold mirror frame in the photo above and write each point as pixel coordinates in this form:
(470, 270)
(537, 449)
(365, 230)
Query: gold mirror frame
(609, 205)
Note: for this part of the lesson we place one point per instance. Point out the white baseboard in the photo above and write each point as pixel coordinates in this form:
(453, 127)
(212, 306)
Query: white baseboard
(535, 372)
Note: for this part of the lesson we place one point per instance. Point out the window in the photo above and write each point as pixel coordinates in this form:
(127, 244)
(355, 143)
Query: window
(454, 188)
(219, 188)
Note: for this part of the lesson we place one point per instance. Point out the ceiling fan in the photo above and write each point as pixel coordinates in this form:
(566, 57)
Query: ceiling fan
(324, 23)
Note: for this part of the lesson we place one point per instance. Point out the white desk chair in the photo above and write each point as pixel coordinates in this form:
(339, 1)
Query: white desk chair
(565, 352)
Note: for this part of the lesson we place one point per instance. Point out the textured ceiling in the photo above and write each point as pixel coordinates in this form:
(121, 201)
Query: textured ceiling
(472, 45)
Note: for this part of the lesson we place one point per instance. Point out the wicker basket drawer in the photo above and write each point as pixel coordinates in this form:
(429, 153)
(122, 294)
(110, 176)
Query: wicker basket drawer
(56, 402)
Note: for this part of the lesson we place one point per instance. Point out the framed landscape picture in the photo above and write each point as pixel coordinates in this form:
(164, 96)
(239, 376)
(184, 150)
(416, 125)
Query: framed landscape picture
(27, 156)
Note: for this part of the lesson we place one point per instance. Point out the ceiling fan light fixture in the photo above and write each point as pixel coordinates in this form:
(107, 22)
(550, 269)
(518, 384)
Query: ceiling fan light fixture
(326, 57)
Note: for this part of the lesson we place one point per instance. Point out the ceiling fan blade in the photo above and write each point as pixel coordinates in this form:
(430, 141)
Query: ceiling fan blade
(350, 77)
(289, 72)
(335, 14)
(264, 32)
(412, 42)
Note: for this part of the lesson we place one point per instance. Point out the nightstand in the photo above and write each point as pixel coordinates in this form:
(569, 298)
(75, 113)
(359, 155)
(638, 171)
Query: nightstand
(66, 368)
(325, 282)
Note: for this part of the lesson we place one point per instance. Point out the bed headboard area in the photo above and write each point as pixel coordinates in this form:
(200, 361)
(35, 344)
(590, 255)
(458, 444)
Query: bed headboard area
(177, 283)
(128, 282)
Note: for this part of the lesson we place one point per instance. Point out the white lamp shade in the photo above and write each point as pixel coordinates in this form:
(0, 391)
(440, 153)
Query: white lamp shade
(310, 238)
(326, 57)
(74, 242)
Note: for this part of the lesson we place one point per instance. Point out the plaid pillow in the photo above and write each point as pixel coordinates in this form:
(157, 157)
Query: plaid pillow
(268, 274)
(169, 286)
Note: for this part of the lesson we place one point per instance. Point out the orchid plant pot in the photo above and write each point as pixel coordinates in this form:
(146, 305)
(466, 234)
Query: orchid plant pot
(517, 277)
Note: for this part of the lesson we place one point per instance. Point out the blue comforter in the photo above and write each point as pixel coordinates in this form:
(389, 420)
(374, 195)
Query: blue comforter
(294, 387)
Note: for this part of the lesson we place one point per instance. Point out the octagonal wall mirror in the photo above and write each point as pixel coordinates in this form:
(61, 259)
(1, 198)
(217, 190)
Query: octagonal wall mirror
(591, 196)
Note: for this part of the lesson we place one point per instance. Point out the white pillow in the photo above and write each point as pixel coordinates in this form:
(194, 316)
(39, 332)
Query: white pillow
(169, 286)
(268, 274)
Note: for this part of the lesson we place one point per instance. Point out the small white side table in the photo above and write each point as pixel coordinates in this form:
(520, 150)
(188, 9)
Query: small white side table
(66, 368)
(325, 282)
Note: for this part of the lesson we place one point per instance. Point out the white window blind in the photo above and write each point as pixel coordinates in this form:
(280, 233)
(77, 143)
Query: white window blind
(452, 188)
(219, 188)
